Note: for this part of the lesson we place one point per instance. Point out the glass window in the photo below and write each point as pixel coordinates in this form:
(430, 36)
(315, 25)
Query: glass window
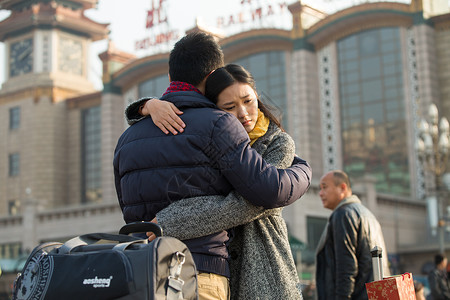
(349, 42)
(389, 59)
(277, 81)
(370, 68)
(353, 110)
(352, 65)
(350, 54)
(352, 77)
(10, 251)
(353, 99)
(315, 227)
(374, 140)
(353, 88)
(389, 33)
(154, 87)
(394, 115)
(268, 70)
(391, 93)
(391, 81)
(13, 207)
(368, 43)
(14, 164)
(390, 69)
(388, 47)
(374, 112)
(392, 105)
(14, 117)
(91, 155)
(259, 63)
(371, 90)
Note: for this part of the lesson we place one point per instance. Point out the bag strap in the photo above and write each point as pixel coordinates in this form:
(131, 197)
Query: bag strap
(92, 238)
(42, 247)
(123, 246)
(175, 286)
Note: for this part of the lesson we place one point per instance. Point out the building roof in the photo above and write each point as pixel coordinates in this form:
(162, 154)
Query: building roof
(50, 14)
(15, 5)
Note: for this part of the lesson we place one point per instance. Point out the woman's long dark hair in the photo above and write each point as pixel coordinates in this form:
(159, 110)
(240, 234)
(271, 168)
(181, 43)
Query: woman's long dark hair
(226, 76)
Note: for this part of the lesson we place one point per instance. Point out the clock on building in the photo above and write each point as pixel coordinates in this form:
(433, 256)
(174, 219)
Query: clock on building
(21, 57)
(70, 56)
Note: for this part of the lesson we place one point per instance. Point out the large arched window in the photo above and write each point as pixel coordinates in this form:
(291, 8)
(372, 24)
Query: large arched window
(373, 116)
(91, 155)
(268, 69)
(154, 87)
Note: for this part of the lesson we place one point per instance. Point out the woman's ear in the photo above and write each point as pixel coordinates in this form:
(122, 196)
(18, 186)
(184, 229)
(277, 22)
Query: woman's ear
(168, 75)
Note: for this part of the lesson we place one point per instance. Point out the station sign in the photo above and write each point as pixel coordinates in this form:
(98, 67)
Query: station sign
(251, 14)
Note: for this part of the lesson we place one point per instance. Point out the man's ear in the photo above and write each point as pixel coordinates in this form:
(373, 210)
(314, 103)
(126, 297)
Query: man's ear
(202, 85)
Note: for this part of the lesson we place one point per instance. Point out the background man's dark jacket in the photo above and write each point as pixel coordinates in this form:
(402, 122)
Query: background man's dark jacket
(438, 282)
(344, 261)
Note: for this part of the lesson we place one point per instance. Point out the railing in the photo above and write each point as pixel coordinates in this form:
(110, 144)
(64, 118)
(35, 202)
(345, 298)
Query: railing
(33, 226)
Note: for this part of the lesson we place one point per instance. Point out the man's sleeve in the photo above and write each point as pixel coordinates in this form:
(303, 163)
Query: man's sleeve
(257, 181)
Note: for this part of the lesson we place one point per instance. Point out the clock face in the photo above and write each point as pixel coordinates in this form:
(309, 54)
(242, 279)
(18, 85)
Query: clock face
(21, 57)
(70, 56)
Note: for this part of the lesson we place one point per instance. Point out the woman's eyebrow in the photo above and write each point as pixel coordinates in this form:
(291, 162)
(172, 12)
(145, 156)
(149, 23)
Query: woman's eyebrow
(228, 103)
(232, 102)
(245, 96)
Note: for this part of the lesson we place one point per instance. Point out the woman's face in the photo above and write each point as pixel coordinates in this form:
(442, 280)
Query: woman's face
(240, 100)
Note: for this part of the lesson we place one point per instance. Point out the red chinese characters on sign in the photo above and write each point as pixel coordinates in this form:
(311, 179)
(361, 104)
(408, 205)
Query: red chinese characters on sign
(155, 19)
(254, 14)
(156, 40)
(156, 15)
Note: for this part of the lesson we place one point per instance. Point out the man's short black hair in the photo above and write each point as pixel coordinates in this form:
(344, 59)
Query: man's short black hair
(438, 258)
(193, 57)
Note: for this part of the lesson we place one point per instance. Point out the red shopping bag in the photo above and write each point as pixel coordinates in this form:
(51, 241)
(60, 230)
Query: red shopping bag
(399, 287)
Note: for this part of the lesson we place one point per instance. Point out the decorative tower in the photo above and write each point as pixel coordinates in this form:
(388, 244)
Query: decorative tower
(46, 62)
(47, 44)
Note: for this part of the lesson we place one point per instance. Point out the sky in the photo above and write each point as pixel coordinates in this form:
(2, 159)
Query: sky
(127, 21)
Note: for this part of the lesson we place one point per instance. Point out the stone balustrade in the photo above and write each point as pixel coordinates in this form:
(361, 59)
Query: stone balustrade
(34, 226)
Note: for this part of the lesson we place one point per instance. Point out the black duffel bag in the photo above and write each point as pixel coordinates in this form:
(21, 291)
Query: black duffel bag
(86, 267)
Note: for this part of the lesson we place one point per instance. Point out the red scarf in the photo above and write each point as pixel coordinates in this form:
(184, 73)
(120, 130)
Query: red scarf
(179, 86)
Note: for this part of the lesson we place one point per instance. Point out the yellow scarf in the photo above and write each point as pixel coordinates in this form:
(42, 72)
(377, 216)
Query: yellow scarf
(261, 127)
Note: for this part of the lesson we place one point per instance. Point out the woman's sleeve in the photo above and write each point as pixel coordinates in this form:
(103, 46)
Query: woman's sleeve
(132, 114)
(250, 175)
(199, 216)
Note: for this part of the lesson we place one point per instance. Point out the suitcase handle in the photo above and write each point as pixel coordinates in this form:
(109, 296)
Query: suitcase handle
(136, 227)
(377, 263)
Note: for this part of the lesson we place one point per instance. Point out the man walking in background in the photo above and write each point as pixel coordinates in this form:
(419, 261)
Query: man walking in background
(437, 279)
(343, 258)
